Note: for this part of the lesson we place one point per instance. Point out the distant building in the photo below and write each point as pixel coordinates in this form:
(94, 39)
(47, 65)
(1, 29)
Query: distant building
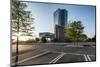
(60, 20)
(48, 35)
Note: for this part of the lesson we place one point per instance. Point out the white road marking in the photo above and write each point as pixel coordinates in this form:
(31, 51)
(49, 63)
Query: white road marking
(27, 53)
(31, 57)
(85, 58)
(22, 54)
(88, 58)
(57, 58)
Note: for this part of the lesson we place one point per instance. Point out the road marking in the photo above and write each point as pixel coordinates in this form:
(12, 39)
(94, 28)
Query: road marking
(28, 52)
(85, 58)
(57, 58)
(23, 54)
(88, 58)
(31, 57)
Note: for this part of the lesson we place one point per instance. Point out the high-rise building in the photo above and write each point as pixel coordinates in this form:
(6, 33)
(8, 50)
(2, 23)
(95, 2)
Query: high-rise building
(60, 20)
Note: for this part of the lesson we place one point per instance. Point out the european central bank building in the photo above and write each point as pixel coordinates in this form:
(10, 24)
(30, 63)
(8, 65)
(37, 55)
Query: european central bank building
(60, 20)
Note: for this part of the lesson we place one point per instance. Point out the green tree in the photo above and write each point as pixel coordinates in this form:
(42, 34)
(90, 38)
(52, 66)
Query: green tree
(83, 37)
(89, 40)
(94, 38)
(21, 19)
(44, 40)
(37, 39)
(74, 30)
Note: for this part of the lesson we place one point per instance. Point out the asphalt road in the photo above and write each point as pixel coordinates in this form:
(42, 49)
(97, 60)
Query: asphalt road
(51, 53)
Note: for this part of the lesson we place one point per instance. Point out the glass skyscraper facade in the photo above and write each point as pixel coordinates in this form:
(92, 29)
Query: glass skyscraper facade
(60, 17)
(60, 20)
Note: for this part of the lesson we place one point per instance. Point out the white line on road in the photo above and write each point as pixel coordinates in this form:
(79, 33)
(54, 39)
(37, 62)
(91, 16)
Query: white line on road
(21, 54)
(27, 53)
(85, 58)
(88, 58)
(31, 57)
(57, 58)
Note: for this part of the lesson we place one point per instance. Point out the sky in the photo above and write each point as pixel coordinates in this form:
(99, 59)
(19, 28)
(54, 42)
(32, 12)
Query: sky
(44, 19)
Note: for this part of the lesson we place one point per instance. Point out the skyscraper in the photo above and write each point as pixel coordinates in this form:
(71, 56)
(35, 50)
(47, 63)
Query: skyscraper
(60, 20)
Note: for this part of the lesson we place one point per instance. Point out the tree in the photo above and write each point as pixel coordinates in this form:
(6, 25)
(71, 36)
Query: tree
(74, 30)
(37, 39)
(83, 37)
(94, 38)
(89, 40)
(44, 40)
(21, 19)
(21, 22)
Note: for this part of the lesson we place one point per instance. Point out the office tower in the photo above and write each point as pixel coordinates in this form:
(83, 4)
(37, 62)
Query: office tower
(60, 20)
